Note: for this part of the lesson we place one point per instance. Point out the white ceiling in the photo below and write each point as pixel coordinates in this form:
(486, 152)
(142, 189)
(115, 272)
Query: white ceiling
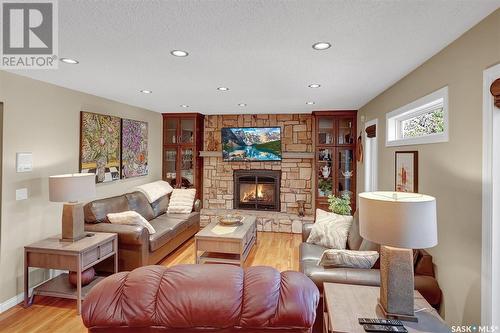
(260, 49)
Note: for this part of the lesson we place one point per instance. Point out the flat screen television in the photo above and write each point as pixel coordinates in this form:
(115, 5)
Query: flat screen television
(246, 144)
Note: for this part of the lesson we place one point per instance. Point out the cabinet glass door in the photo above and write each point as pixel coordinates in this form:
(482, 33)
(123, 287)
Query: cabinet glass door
(345, 172)
(170, 166)
(171, 131)
(187, 167)
(325, 131)
(325, 172)
(345, 133)
(187, 131)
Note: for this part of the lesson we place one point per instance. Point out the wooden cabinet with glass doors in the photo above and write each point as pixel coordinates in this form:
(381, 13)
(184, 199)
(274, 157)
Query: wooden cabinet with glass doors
(182, 142)
(335, 164)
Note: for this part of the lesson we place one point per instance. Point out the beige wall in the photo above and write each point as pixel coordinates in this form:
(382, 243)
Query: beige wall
(44, 119)
(449, 171)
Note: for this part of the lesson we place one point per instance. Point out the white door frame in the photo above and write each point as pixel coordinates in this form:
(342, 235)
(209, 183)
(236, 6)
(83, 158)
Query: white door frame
(371, 157)
(490, 274)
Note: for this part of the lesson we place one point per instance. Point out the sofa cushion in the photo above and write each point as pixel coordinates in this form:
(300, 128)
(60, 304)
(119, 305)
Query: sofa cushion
(138, 202)
(358, 276)
(168, 226)
(330, 230)
(160, 206)
(354, 239)
(311, 252)
(97, 210)
(348, 258)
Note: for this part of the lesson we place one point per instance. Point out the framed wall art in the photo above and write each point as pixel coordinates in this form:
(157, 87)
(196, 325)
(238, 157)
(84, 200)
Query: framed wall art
(100, 146)
(134, 148)
(406, 178)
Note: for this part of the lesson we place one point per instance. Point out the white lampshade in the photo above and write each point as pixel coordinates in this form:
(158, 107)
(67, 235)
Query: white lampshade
(398, 219)
(71, 187)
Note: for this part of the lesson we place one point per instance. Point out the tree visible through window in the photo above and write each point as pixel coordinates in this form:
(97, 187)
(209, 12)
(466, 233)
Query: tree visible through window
(424, 124)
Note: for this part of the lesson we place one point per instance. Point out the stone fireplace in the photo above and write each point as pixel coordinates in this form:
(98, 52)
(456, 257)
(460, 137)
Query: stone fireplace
(257, 190)
(295, 173)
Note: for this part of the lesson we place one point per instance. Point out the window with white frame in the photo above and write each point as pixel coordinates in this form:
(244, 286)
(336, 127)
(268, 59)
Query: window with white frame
(422, 121)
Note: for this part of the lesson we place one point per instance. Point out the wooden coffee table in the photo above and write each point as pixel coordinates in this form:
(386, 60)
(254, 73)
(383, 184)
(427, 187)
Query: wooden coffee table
(343, 304)
(228, 245)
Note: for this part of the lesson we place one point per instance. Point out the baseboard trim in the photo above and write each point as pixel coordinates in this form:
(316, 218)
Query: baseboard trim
(19, 298)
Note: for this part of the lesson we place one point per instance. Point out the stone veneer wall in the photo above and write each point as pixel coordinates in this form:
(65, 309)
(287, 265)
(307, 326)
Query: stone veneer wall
(295, 172)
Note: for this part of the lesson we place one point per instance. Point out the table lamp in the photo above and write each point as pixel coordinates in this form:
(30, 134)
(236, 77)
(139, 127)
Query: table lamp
(399, 222)
(69, 189)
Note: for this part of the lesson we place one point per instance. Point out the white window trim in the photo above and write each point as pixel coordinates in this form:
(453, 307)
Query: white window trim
(416, 108)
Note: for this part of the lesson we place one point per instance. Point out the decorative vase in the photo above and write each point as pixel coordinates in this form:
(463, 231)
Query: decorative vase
(301, 209)
(325, 171)
(88, 276)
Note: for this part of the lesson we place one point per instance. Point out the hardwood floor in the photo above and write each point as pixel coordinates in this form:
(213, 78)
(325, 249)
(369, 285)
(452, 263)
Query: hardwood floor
(57, 315)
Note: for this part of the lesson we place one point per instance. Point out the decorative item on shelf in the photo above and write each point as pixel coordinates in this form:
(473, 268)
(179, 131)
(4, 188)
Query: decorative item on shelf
(406, 178)
(399, 222)
(69, 189)
(324, 155)
(301, 209)
(325, 171)
(347, 174)
(134, 148)
(100, 146)
(88, 276)
(324, 187)
(340, 205)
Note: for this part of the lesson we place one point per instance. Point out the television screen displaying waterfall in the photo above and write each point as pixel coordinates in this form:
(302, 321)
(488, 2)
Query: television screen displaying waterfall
(251, 144)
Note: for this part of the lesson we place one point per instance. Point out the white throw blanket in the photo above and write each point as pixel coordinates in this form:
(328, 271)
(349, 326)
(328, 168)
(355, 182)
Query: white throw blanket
(131, 218)
(155, 190)
(181, 201)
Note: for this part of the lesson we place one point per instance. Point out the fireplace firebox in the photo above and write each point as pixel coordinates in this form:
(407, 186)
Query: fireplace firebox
(257, 190)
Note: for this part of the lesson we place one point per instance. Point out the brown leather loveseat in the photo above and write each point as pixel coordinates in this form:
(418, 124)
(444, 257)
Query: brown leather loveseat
(136, 247)
(202, 298)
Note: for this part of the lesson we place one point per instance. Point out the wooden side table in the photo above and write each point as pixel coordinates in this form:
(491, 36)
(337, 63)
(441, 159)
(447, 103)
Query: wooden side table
(344, 304)
(52, 253)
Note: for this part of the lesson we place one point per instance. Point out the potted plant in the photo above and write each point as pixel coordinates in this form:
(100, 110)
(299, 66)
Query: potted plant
(340, 205)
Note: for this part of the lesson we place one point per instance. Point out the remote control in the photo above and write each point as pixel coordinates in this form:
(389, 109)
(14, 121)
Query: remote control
(384, 328)
(376, 321)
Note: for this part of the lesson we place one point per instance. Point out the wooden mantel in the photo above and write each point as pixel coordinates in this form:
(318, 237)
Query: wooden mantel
(495, 91)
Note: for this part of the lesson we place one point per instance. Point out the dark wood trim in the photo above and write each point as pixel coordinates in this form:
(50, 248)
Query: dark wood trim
(415, 167)
(495, 91)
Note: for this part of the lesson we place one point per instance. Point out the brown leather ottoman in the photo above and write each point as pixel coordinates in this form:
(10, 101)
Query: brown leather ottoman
(194, 298)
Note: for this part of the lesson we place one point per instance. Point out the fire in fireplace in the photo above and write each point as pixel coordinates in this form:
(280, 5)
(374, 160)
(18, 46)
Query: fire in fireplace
(257, 189)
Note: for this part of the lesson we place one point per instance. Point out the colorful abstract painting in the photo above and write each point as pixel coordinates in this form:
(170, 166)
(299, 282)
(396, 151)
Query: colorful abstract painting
(134, 148)
(100, 146)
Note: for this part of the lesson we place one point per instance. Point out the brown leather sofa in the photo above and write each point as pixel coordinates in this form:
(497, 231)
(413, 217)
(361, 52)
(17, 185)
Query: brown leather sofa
(206, 298)
(136, 247)
(309, 255)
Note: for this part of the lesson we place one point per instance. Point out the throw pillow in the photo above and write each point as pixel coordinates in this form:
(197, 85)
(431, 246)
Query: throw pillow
(181, 201)
(132, 218)
(348, 258)
(330, 230)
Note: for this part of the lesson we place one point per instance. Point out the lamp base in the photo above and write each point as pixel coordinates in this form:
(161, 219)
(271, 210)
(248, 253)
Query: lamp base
(72, 222)
(397, 283)
(397, 316)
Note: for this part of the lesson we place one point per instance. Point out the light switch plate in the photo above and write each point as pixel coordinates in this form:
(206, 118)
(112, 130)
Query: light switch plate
(21, 194)
(24, 162)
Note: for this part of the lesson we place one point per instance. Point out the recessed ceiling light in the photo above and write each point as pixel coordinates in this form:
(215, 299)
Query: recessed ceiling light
(310, 103)
(321, 45)
(179, 53)
(184, 106)
(223, 88)
(145, 91)
(242, 104)
(314, 85)
(69, 61)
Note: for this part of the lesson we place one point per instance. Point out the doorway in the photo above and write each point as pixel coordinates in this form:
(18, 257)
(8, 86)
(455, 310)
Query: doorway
(371, 156)
(490, 263)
